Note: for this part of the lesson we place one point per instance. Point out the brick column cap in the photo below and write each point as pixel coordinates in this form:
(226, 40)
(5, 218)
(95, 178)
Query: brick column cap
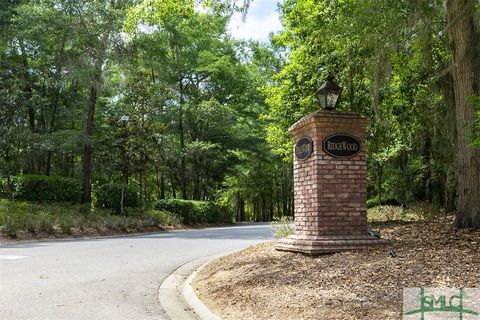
(322, 117)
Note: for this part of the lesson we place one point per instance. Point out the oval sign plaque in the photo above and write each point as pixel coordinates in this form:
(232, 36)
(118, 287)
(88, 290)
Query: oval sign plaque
(341, 145)
(303, 148)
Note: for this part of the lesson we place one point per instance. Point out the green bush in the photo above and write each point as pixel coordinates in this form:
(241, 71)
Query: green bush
(384, 202)
(10, 226)
(36, 218)
(66, 223)
(163, 218)
(192, 212)
(3, 188)
(46, 188)
(44, 223)
(109, 196)
(427, 211)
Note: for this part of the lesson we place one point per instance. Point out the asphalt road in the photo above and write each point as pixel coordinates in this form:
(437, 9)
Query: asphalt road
(109, 278)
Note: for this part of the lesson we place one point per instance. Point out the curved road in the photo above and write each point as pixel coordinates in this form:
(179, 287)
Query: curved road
(108, 278)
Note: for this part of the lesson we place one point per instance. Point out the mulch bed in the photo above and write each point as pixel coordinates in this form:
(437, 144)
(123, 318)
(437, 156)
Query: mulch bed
(262, 283)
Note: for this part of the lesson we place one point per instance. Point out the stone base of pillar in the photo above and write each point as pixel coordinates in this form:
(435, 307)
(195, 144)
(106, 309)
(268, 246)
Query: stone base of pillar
(316, 245)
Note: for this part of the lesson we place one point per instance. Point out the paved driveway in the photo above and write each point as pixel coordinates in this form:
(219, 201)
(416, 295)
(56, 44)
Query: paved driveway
(109, 278)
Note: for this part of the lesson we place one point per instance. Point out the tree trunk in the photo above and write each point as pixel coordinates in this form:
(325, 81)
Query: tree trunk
(183, 165)
(48, 165)
(426, 159)
(379, 182)
(242, 209)
(32, 161)
(28, 88)
(272, 207)
(464, 40)
(448, 125)
(87, 149)
(196, 179)
(172, 185)
(162, 185)
(51, 129)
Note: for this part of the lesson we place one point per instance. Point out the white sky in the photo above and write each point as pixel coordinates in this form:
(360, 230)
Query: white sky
(262, 18)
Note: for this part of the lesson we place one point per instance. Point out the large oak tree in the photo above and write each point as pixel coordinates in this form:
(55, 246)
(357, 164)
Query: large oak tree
(464, 35)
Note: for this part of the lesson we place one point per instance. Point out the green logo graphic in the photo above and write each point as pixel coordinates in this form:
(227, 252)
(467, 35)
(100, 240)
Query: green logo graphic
(453, 304)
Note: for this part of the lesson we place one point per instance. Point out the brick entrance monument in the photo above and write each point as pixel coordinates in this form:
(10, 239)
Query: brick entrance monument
(330, 185)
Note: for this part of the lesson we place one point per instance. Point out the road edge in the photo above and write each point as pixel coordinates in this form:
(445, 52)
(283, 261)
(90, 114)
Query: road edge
(198, 307)
(176, 294)
(13, 242)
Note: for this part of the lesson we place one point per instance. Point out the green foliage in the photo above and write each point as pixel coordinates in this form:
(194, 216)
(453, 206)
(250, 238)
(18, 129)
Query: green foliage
(283, 227)
(158, 12)
(36, 218)
(46, 188)
(109, 196)
(186, 91)
(193, 212)
(427, 211)
(164, 218)
(56, 218)
(4, 189)
(390, 58)
(382, 202)
(475, 134)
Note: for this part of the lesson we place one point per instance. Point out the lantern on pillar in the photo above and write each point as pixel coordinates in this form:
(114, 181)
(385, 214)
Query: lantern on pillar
(329, 93)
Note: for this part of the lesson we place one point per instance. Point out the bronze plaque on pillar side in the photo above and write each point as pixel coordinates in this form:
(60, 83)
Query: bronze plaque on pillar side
(303, 148)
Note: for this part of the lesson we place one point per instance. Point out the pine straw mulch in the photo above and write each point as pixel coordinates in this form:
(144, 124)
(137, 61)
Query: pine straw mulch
(262, 283)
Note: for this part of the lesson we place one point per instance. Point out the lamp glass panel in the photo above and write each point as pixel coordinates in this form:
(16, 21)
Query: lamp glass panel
(332, 98)
(322, 98)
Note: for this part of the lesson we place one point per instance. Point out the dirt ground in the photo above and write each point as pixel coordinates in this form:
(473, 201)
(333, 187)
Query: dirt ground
(262, 283)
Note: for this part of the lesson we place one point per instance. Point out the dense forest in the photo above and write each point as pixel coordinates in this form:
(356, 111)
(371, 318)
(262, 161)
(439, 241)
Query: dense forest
(154, 99)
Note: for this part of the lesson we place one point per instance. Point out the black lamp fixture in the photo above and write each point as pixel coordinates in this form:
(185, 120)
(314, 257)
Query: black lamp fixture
(329, 93)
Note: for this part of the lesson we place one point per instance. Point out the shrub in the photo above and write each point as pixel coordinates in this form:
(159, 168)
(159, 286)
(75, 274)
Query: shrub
(10, 226)
(282, 227)
(109, 196)
(46, 188)
(3, 188)
(426, 211)
(182, 208)
(162, 218)
(44, 223)
(21, 217)
(66, 223)
(192, 211)
(384, 202)
(207, 211)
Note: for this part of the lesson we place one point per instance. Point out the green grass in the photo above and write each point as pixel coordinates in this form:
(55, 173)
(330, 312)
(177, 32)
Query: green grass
(58, 219)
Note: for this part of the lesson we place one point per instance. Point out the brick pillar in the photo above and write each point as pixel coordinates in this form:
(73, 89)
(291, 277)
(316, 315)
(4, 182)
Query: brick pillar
(330, 189)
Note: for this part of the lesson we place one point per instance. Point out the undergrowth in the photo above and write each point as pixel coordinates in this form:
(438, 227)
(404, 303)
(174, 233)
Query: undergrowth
(57, 218)
(419, 211)
(283, 227)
